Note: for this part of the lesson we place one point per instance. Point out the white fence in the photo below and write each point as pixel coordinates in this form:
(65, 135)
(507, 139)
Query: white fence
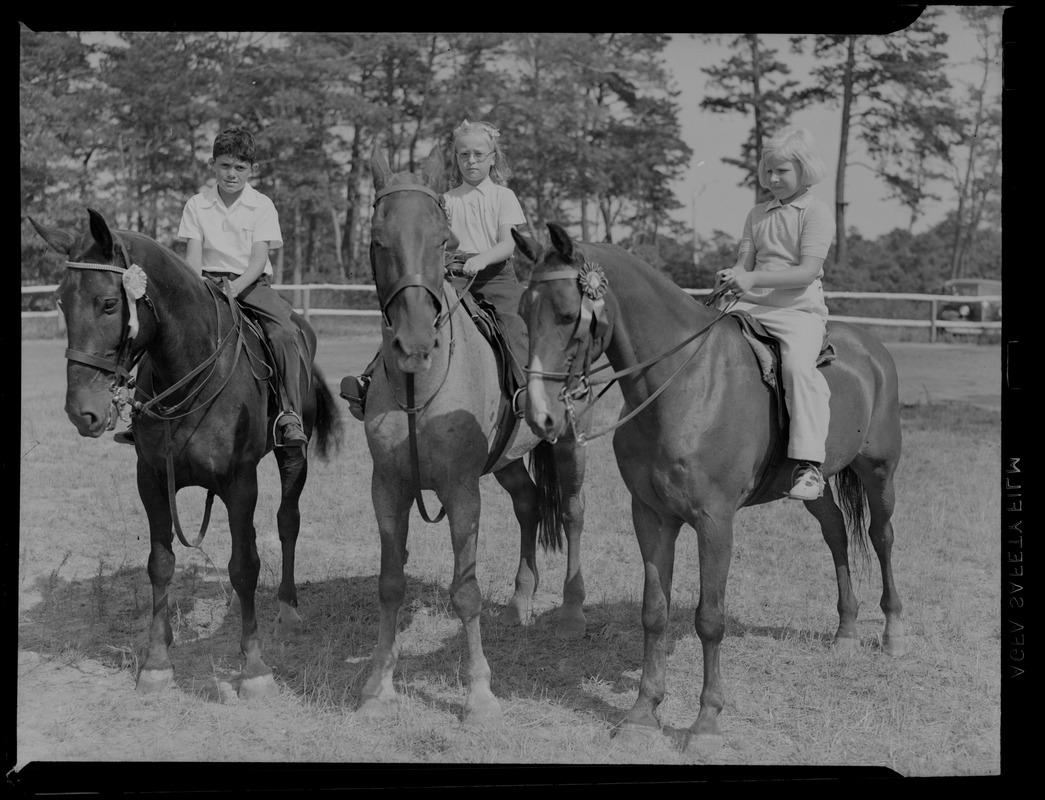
(304, 307)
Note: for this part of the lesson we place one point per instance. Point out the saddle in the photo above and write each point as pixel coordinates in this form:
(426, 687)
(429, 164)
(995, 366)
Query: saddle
(483, 315)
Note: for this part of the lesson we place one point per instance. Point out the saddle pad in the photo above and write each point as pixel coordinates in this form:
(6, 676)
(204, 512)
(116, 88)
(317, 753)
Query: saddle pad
(767, 348)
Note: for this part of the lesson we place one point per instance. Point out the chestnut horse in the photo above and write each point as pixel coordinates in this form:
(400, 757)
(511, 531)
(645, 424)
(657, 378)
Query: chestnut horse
(435, 413)
(204, 411)
(698, 439)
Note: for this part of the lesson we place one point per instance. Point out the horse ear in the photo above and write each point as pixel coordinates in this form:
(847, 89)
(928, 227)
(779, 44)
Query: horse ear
(101, 233)
(57, 239)
(561, 241)
(379, 168)
(434, 170)
(529, 248)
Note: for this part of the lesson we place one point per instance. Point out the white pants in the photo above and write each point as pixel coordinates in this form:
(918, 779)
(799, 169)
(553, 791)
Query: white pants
(806, 393)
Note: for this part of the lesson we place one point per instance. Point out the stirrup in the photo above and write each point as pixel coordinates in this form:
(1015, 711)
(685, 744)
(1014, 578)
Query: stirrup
(519, 412)
(356, 401)
(278, 423)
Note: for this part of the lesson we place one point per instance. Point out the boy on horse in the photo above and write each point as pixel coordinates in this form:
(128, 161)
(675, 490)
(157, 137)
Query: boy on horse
(229, 228)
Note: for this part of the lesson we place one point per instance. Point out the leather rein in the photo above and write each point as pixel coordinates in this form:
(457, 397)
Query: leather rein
(592, 326)
(442, 318)
(135, 283)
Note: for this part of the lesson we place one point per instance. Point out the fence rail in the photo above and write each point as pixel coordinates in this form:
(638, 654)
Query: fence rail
(303, 301)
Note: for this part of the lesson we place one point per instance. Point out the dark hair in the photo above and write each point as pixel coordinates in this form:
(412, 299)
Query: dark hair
(236, 142)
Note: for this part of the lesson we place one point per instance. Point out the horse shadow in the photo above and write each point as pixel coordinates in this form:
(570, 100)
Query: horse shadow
(105, 617)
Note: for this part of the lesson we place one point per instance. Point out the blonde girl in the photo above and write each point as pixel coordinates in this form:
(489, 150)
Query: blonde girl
(778, 278)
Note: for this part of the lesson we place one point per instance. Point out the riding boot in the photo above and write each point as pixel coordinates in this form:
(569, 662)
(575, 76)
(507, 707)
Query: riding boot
(124, 437)
(354, 389)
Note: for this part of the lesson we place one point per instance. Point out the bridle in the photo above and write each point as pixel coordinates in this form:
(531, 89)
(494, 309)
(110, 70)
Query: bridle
(135, 282)
(585, 345)
(434, 286)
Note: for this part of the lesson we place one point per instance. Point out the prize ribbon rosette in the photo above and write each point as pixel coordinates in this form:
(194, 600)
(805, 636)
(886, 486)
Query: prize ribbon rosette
(134, 283)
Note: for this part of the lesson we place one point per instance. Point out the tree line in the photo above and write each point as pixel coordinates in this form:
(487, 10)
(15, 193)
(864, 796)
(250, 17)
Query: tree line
(124, 122)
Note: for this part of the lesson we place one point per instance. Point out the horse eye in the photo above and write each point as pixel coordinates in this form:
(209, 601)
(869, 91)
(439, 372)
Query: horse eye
(109, 305)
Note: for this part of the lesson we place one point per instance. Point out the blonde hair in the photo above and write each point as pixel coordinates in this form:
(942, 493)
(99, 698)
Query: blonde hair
(500, 170)
(793, 144)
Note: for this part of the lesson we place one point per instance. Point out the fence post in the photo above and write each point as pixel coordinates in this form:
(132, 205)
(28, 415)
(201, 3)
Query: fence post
(932, 320)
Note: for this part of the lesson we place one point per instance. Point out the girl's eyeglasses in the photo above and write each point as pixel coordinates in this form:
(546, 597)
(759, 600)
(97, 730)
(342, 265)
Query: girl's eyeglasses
(479, 157)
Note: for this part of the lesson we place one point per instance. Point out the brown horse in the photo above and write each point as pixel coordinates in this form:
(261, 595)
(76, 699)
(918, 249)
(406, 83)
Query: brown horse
(698, 439)
(435, 413)
(204, 412)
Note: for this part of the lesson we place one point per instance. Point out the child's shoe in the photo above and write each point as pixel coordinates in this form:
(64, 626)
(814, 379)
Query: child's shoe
(809, 484)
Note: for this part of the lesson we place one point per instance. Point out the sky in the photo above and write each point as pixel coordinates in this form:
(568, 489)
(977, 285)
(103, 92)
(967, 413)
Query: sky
(711, 198)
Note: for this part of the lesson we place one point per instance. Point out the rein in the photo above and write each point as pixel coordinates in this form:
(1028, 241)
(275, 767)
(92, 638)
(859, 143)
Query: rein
(442, 318)
(594, 285)
(135, 282)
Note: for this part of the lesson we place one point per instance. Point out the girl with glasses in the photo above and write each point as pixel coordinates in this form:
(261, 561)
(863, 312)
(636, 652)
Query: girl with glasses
(482, 211)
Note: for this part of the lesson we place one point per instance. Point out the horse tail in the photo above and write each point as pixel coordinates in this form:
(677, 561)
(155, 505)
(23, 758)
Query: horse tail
(852, 498)
(327, 425)
(549, 498)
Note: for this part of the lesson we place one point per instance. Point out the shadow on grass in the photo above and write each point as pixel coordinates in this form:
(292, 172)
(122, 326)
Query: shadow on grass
(106, 618)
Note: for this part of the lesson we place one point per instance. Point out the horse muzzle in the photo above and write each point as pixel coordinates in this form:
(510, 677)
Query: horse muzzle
(91, 417)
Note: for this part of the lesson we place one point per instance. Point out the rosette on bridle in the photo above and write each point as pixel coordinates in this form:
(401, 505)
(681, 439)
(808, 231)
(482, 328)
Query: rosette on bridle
(593, 283)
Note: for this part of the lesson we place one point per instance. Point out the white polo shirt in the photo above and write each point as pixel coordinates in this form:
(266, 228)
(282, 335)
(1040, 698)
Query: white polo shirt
(780, 235)
(228, 234)
(476, 212)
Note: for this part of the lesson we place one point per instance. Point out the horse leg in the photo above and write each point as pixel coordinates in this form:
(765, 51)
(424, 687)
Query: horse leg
(463, 506)
(832, 526)
(293, 472)
(392, 508)
(881, 499)
(715, 545)
(570, 464)
(244, 566)
(516, 481)
(656, 536)
(157, 671)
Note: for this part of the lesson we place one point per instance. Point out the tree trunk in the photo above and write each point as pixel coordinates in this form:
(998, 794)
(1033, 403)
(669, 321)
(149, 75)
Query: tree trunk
(841, 250)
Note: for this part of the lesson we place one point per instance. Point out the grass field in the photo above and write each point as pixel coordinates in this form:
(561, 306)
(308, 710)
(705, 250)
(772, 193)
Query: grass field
(84, 602)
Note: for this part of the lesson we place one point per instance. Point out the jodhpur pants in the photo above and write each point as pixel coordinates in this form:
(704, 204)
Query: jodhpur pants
(498, 286)
(288, 346)
(806, 393)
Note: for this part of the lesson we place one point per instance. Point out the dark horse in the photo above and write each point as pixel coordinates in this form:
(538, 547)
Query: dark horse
(698, 439)
(435, 412)
(204, 413)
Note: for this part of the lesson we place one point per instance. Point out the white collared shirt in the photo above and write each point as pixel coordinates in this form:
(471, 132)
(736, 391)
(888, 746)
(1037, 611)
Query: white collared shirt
(477, 212)
(229, 233)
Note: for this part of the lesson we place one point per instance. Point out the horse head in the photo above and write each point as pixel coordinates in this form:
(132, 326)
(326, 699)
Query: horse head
(568, 323)
(100, 321)
(408, 238)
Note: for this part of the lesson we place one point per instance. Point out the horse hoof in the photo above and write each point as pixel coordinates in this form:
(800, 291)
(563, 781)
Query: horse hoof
(704, 743)
(894, 646)
(288, 630)
(845, 644)
(632, 736)
(486, 718)
(571, 626)
(516, 614)
(259, 686)
(377, 707)
(151, 681)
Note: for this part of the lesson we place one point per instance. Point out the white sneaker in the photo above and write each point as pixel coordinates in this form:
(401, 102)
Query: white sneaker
(809, 485)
